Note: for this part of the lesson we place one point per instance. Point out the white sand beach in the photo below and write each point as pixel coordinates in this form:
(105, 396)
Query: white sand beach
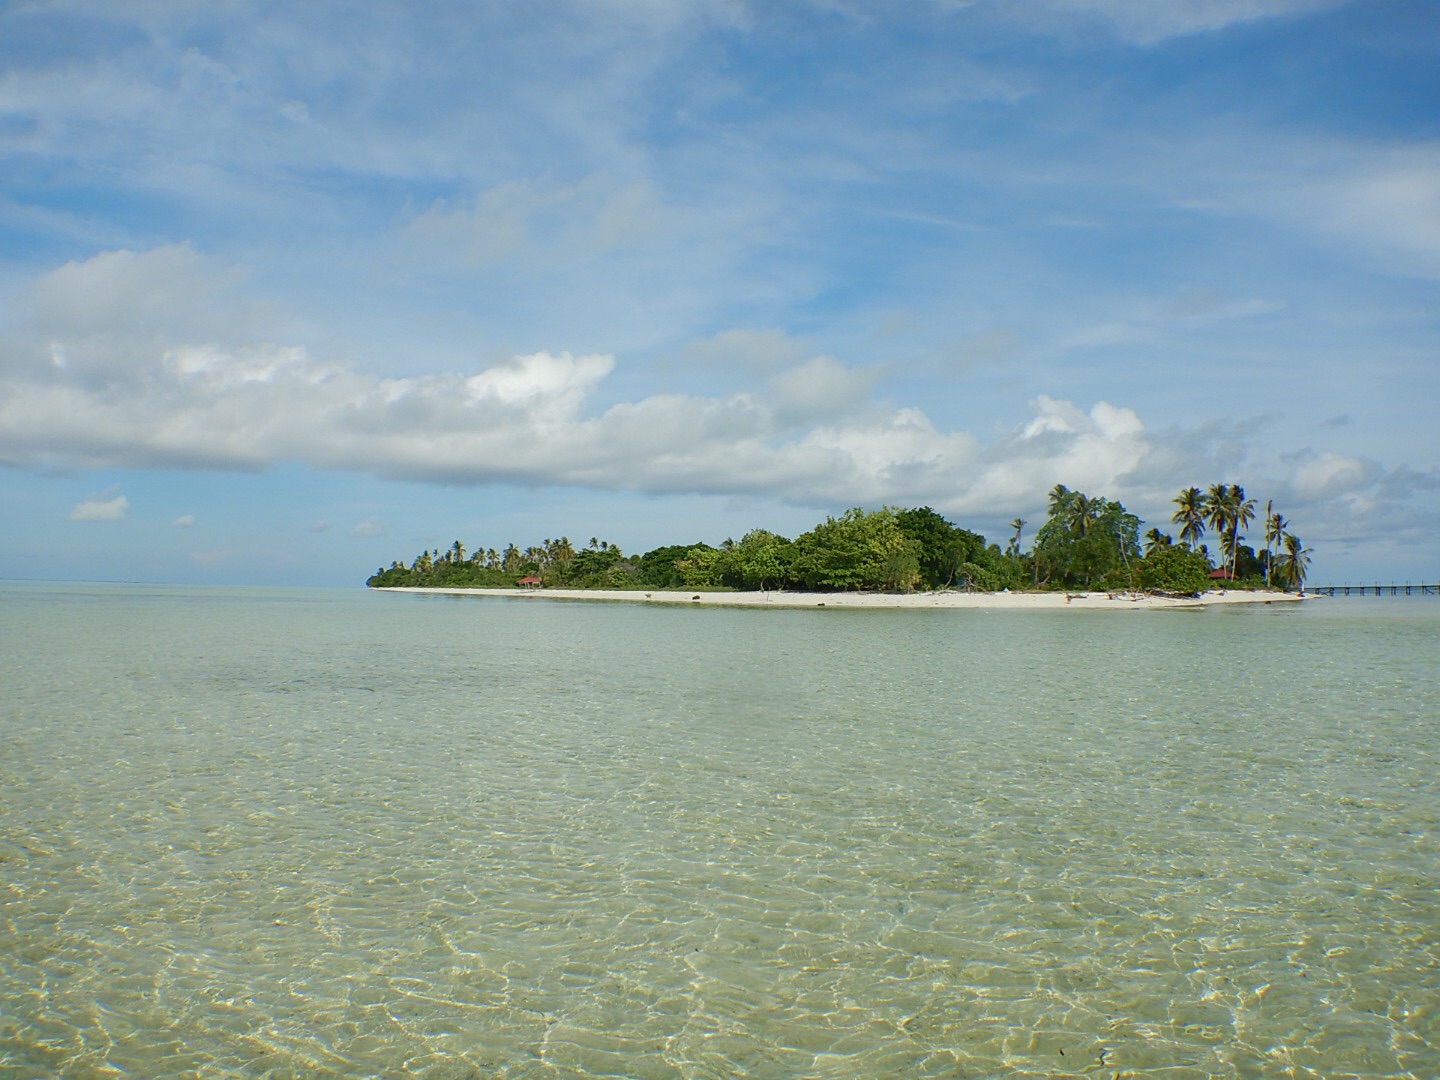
(1049, 601)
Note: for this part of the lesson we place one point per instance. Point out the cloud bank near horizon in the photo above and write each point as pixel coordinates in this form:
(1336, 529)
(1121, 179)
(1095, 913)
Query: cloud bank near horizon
(123, 364)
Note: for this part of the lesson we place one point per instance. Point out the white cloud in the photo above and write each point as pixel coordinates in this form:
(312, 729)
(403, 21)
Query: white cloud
(992, 348)
(547, 385)
(534, 224)
(1096, 450)
(609, 254)
(184, 521)
(528, 421)
(1345, 504)
(1146, 22)
(134, 395)
(1197, 305)
(820, 387)
(1329, 474)
(1376, 198)
(751, 350)
(99, 508)
(494, 227)
(1103, 335)
(370, 527)
(1391, 205)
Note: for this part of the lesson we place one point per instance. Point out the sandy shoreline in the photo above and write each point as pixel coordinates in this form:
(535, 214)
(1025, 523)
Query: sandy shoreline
(1091, 601)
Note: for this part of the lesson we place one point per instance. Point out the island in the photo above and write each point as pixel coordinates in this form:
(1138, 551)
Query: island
(1088, 552)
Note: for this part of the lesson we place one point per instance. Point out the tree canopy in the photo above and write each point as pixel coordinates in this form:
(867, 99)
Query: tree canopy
(1086, 541)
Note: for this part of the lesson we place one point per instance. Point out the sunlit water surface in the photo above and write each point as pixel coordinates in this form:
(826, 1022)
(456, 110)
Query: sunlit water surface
(314, 834)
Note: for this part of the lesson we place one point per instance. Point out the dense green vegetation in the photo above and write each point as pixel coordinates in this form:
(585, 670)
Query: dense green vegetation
(1085, 542)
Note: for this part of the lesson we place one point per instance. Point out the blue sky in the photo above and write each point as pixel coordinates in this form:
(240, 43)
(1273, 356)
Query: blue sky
(290, 291)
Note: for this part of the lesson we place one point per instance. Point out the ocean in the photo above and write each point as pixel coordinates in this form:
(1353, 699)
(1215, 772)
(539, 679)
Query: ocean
(331, 833)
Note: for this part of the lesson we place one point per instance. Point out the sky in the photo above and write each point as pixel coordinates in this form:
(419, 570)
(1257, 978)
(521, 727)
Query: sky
(289, 291)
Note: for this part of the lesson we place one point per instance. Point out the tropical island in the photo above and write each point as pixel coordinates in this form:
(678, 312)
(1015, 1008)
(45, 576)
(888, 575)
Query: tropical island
(1086, 544)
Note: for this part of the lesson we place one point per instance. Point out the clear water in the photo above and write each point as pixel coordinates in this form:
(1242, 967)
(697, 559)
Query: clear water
(314, 834)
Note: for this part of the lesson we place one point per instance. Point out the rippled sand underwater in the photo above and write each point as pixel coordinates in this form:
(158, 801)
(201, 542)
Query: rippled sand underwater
(314, 834)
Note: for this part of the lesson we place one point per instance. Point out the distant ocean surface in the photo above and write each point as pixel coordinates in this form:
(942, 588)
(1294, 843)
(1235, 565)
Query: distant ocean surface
(313, 833)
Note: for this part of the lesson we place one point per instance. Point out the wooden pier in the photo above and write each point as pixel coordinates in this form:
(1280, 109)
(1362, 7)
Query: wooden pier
(1374, 590)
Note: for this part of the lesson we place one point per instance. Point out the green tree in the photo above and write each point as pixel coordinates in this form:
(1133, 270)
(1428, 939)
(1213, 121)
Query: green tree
(1190, 516)
(1083, 510)
(761, 560)
(1293, 563)
(1217, 514)
(591, 567)
(1242, 513)
(700, 568)
(858, 550)
(1013, 548)
(658, 567)
(1154, 538)
(510, 560)
(981, 577)
(943, 546)
(1085, 538)
(1275, 526)
(1174, 568)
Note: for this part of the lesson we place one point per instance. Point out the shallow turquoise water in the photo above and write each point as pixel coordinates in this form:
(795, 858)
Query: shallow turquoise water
(327, 833)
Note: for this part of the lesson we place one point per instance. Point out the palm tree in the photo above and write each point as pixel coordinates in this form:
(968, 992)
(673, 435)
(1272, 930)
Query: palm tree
(1018, 525)
(1155, 539)
(1294, 561)
(1060, 499)
(1274, 529)
(1190, 516)
(459, 550)
(1217, 513)
(1083, 510)
(1242, 513)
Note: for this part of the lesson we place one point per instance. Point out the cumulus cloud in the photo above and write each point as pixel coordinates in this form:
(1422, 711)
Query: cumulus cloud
(184, 521)
(100, 508)
(129, 395)
(810, 432)
(1346, 503)
(820, 387)
(126, 297)
(1348, 479)
(1316, 474)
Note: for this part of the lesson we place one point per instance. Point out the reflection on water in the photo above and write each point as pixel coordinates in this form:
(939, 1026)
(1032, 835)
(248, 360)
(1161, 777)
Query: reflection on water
(329, 834)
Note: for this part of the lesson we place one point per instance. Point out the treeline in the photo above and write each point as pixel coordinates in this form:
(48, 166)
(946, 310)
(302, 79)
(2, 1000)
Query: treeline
(1085, 542)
